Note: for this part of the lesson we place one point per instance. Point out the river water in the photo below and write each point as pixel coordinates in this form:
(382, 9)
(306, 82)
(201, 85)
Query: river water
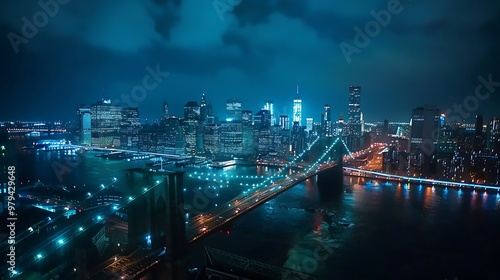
(372, 232)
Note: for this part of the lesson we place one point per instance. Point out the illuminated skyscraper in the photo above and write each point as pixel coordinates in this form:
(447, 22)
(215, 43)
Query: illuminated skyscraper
(248, 135)
(284, 123)
(297, 108)
(231, 138)
(129, 128)
(203, 108)
(175, 142)
(424, 126)
(309, 124)
(211, 138)
(233, 110)
(494, 136)
(191, 126)
(247, 117)
(327, 121)
(270, 107)
(84, 122)
(262, 119)
(165, 110)
(192, 111)
(354, 120)
(479, 139)
(424, 123)
(340, 127)
(105, 124)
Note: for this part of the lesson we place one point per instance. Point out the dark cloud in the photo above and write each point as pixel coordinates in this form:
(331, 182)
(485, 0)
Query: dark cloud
(431, 53)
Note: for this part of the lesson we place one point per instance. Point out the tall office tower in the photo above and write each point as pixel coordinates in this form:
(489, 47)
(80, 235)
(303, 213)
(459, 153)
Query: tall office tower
(84, 125)
(297, 108)
(247, 117)
(165, 110)
(192, 111)
(284, 123)
(211, 139)
(105, 124)
(233, 110)
(264, 140)
(262, 131)
(494, 136)
(478, 134)
(231, 138)
(203, 108)
(309, 124)
(478, 128)
(262, 119)
(279, 145)
(152, 139)
(190, 126)
(270, 107)
(248, 139)
(339, 127)
(129, 128)
(210, 114)
(385, 132)
(424, 126)
(354, 121)
(210, 111)
(327, 121)
(298, 138)
(175, 143)
(248, 133)
(423, 139)
(394, 161)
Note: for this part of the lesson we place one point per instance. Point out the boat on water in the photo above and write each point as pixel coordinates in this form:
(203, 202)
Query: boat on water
(116, 155)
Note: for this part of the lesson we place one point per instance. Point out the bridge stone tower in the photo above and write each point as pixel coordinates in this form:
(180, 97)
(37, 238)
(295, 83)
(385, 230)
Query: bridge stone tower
(156, 216)
(331, 181)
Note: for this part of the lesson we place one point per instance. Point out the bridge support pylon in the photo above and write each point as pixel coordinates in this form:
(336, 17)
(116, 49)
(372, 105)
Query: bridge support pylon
(331, 181)
(156, 216)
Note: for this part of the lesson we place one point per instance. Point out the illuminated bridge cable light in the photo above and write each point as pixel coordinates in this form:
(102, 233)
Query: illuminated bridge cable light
(350, 154)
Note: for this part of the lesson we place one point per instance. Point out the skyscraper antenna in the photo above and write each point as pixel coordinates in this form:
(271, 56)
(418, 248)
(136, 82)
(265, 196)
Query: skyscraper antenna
(297, 90)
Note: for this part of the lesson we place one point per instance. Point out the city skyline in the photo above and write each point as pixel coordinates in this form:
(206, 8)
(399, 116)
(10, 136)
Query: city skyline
(255, 139)
(85, 53)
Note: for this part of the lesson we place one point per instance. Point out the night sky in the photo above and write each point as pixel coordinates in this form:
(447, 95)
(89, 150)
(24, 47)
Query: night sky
(430, 52)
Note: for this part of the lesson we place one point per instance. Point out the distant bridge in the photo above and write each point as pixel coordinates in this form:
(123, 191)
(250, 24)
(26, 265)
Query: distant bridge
(406, 179)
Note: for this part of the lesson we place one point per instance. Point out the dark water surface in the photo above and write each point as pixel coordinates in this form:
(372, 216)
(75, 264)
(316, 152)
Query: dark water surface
(374, 232)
